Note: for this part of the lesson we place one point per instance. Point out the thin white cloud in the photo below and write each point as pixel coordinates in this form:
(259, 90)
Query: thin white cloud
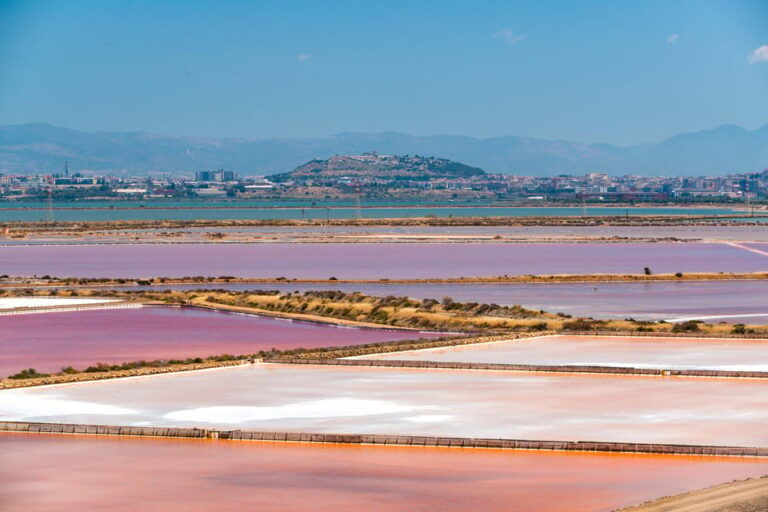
(673, 38)
(508, 36)
(303, 56)
(759, 54)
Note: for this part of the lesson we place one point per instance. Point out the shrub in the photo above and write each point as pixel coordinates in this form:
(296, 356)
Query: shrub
(28, 373)
(580, 324)
(100, 367)
(739, 329)
(689, 326)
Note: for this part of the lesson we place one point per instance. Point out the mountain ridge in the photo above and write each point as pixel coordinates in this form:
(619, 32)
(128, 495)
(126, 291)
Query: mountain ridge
(41, 147)
(373, 165)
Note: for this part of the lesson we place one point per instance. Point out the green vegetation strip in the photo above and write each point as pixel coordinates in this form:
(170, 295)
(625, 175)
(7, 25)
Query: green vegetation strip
(71, 227)
(397, 440)
(360, 310)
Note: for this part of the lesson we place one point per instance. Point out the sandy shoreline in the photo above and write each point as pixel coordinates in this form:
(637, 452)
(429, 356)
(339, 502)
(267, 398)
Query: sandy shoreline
(739, 496)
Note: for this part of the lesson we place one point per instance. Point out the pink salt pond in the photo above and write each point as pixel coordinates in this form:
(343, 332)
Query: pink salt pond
(375, 260)
(122, 474)
(635, 352)
(50, 341)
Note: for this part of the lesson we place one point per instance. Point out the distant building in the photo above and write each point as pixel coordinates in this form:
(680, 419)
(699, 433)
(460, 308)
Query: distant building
(216, 176)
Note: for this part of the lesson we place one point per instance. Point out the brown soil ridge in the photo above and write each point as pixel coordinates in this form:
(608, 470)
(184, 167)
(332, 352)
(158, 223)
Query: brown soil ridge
(69, 378)
(31, 282)
(740, 496)
(594, 220)
(304, 317)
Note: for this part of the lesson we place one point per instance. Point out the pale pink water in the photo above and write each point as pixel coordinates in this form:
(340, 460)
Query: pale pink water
(49, 341)
(363, 260)
(469, 403)
(636, 352)
(48, 473)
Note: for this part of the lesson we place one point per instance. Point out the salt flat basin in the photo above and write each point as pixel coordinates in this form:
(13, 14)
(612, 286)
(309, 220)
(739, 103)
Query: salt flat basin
(636, 352)
(108, 473)
(40, 302)
(712, 301)
(49, 341)
(375, 260)
(484, 404)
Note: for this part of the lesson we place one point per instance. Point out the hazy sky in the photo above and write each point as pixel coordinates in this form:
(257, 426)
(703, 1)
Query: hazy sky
(591, 71)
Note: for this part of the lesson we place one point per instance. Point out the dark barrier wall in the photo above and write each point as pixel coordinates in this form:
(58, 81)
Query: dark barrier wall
(614, 370)
(458, 442)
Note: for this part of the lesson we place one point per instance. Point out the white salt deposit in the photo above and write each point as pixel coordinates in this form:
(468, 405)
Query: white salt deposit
(17, 405)
(636, 352)
(38, 302)
(316, 409)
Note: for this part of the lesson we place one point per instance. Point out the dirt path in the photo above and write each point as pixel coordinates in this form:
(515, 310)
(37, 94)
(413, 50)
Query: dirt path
(740, 496)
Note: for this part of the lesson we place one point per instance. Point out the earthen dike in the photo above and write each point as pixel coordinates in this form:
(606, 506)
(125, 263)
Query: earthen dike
(399, 440)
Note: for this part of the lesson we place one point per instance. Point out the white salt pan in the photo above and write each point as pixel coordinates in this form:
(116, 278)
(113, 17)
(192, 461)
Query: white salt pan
(37, 302)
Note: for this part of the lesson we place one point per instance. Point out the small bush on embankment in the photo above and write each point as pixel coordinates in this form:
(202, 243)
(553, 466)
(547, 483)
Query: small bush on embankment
(28, 373)
(689, 326)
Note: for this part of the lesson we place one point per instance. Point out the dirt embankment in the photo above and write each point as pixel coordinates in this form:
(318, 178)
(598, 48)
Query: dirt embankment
(740, 496)
(357, 309)
(67, 378)
(202, 304)
(72, 227)
(33, 282)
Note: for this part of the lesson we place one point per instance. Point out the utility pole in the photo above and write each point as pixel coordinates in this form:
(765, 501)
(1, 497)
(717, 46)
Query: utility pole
(358, 203)
(358, 207)
(49, 206)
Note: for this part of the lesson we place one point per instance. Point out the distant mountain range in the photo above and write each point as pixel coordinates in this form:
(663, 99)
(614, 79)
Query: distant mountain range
(38, 147)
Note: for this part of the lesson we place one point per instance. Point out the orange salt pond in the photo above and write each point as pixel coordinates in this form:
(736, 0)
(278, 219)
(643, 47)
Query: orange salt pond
(50, 473)
(636, 352)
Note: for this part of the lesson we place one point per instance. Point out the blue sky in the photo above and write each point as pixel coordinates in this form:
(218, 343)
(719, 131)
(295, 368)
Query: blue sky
(592, 71)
